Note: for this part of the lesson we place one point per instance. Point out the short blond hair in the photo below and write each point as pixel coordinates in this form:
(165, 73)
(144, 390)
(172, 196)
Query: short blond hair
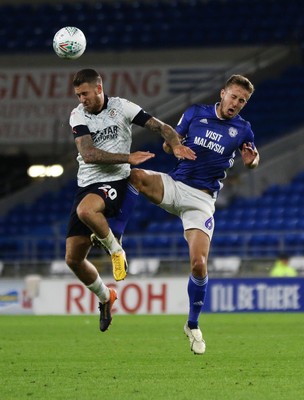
(241, 81)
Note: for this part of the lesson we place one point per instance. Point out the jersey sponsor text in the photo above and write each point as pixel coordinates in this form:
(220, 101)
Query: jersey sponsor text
(209, 144)
(108, 133)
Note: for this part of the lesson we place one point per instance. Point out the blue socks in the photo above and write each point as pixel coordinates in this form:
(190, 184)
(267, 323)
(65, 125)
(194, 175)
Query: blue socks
(197, 288)
(118, 223)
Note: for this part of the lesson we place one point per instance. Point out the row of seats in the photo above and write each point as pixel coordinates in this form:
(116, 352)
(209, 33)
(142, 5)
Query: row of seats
(162, 245)
(158, 24)
(38, 230)
(266, 213)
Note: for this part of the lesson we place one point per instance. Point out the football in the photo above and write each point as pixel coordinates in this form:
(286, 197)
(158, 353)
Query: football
(69, 42)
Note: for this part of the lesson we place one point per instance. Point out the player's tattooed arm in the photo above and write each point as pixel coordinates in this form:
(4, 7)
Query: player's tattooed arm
(167, 132)
(172, 139)
(93, 155)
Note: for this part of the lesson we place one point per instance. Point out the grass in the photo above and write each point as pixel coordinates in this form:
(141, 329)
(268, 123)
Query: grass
(249, 356)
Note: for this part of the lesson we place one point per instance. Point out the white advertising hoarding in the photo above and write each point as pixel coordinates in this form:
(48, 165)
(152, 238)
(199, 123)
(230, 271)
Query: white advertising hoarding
(151, 296)
(135, 296)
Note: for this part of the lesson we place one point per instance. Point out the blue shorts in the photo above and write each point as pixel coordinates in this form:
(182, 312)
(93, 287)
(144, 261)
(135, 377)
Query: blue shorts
(111, 192)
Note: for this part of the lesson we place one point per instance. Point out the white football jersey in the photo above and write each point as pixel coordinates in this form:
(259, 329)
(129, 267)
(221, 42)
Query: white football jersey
(111, 131)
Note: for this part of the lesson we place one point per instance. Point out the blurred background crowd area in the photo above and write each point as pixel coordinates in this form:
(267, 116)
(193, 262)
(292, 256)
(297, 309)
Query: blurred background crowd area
(197, 45)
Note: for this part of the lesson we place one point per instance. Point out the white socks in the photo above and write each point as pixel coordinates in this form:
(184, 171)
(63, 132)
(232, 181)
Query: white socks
(100, 289)
(111, 243)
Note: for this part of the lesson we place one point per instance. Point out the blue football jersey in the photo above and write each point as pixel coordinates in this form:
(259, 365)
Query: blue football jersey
(215, 142)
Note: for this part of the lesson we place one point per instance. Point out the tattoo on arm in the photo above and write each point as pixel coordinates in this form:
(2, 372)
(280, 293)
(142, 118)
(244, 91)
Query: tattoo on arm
(93, 155)
(167, 132)
(154, 124)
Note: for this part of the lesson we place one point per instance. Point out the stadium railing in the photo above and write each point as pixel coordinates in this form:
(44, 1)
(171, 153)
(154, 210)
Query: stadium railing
(24, 255)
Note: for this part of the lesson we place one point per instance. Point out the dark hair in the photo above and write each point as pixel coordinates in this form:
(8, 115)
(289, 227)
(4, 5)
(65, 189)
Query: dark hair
(242, 81)
(86, 76)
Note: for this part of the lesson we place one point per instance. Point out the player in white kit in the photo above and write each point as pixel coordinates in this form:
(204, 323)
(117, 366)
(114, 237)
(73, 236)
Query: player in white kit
(102, 129)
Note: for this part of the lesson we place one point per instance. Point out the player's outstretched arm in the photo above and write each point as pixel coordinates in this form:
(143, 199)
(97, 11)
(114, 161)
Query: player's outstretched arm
(139, 157)
(180, 151)
(93, 155)
(172, 139)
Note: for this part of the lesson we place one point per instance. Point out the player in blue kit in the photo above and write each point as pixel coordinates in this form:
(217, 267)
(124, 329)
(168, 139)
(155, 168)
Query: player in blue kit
(214, 133)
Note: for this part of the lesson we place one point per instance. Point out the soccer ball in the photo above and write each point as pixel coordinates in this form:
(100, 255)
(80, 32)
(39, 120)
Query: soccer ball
(69, 42)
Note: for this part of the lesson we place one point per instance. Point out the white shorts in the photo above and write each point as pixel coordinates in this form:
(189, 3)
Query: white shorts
(194, 207)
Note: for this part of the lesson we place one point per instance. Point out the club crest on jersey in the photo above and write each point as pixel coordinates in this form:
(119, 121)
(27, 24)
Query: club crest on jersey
(232, 132)
(112, 113)
(209, 223)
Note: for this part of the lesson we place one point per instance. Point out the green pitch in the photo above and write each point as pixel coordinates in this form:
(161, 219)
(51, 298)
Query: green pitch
(249, 356)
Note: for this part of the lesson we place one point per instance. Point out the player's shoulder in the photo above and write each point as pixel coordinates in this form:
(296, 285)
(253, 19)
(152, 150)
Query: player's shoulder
(241, 121)
(127, 107)
(118, 100)
(115, 99)
(238, 117)
(78, 110)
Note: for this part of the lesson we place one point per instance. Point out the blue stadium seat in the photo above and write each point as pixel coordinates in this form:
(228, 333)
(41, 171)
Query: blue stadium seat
(159, 23)
(263, 245)
(294, 243)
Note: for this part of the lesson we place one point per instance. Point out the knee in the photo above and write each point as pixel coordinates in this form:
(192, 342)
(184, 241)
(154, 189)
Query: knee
(72, 262)
(84, 214)
(136, 178)
(199, 266)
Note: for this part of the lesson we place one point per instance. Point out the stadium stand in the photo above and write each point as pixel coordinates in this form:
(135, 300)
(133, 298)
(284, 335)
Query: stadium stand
(255, 227)
(134, 25)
